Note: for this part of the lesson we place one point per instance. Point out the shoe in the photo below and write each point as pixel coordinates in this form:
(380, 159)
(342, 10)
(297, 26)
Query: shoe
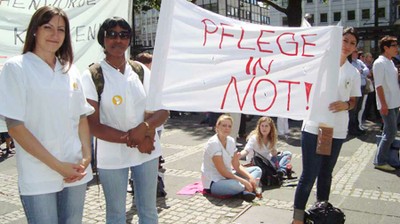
(385, 167)
(248, 196)
(130, 187)
(280, 174)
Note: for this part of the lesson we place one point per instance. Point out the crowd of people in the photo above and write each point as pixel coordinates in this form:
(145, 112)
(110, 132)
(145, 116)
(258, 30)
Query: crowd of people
(66, 109)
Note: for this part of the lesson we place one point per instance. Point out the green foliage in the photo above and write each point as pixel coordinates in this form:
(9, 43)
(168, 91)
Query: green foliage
(144, 5)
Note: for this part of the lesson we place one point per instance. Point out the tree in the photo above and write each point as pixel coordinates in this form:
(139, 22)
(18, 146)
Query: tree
(293, 11)
(144, 5)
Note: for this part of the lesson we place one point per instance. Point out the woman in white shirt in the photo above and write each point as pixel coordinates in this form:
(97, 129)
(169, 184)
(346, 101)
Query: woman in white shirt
(321, 166)
(261, 143)
(125, 131)
(222, 173)
(45, 109)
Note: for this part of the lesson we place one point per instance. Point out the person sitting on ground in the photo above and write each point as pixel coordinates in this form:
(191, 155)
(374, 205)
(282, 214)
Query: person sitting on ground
(220, 157)
(9, 144)
(261, 142)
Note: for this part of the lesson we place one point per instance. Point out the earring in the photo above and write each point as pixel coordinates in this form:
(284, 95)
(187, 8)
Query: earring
(34, 34)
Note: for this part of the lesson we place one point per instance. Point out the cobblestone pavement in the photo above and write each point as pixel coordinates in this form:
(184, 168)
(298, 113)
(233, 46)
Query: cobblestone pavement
(183, 143)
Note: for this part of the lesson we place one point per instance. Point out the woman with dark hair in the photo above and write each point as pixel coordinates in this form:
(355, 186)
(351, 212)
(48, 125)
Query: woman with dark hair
(321, 166)
(44, 106)
(124, 129)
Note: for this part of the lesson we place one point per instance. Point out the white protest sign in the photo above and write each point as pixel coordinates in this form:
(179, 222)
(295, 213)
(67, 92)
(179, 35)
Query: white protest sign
(207, 62)
(85, 17)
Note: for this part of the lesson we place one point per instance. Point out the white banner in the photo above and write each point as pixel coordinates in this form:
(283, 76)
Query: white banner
(85, 19)
(207, 62)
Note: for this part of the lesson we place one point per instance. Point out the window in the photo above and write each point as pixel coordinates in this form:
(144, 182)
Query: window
(284, 21)
(351, 15)
(381, 13)
(398, 12)
(365, 14)
(337, 16)
(309, 1)
(324, 17)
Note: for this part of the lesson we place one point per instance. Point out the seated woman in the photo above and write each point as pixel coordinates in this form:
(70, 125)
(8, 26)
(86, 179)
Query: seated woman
(220, 157)
(261, 143)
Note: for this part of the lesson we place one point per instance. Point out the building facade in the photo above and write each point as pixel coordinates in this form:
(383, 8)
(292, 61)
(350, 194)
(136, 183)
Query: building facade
(145, 23)
(356, 13)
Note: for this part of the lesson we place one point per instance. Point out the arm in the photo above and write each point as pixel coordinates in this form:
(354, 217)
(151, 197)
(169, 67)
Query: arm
(243, 172)
(219, 165)
(381, 95)
(31, 145)
(84, 136)
(102, 131)
(343, 105)
(143, 134)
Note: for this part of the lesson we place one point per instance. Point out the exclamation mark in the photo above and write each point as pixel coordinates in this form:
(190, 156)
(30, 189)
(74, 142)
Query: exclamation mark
(308, 90)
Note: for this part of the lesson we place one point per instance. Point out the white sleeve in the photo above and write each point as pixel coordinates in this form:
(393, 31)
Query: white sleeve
(89, 89)
(378, 71)
(13, 92)
(250, 148)
(213, 149)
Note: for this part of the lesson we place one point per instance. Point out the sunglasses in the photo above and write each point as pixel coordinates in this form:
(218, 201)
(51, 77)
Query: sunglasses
(394, 45)
(110, 34)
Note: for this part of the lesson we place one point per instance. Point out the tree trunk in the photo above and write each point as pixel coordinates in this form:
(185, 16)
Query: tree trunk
(294, 13)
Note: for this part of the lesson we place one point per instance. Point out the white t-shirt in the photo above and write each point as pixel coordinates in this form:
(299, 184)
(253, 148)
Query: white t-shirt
(253, 146)
(122, 106)
(215, 148)
(385, 75)
(50, 104)
(349, 84)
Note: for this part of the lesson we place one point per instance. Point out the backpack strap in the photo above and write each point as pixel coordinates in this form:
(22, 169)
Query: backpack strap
(136, 67)
(98, 78)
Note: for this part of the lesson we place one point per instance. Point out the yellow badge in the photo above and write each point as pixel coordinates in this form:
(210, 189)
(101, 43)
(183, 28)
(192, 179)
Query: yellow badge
(117, 100)
(75, 85)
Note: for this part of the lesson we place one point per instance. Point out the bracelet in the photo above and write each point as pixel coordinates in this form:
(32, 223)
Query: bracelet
(348, 105)
(147, 124)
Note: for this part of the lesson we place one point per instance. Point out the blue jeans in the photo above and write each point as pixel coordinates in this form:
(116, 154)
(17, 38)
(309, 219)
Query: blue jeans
(114, 184)
(64, 207)
(389, 134)
(314, 166)
(231, 186)
(282, 160)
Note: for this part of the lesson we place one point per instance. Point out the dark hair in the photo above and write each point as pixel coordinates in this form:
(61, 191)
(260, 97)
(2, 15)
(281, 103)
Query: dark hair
(386, 41)
(111, 23)
(42, 16)
(351, 31)
(145, 58)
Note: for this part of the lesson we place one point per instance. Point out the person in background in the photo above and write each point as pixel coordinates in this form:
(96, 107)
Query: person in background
(354, 124)
(9, 144)
(321, 166)
(387, 99)
(283, 127)
(371, 111)
(262, 142)
(220, 156)
(124, 129)
(44, 106)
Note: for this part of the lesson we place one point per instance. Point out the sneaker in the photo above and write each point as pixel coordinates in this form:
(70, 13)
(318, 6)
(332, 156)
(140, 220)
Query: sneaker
(385, 167)
(130, 187)
(248, 196)
(280, 173)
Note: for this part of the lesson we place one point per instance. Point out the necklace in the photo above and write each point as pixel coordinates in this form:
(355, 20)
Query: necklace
(117, 68)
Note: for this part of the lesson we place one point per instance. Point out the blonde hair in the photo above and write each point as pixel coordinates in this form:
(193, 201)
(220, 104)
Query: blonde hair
(272, 136)
(223, 117)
